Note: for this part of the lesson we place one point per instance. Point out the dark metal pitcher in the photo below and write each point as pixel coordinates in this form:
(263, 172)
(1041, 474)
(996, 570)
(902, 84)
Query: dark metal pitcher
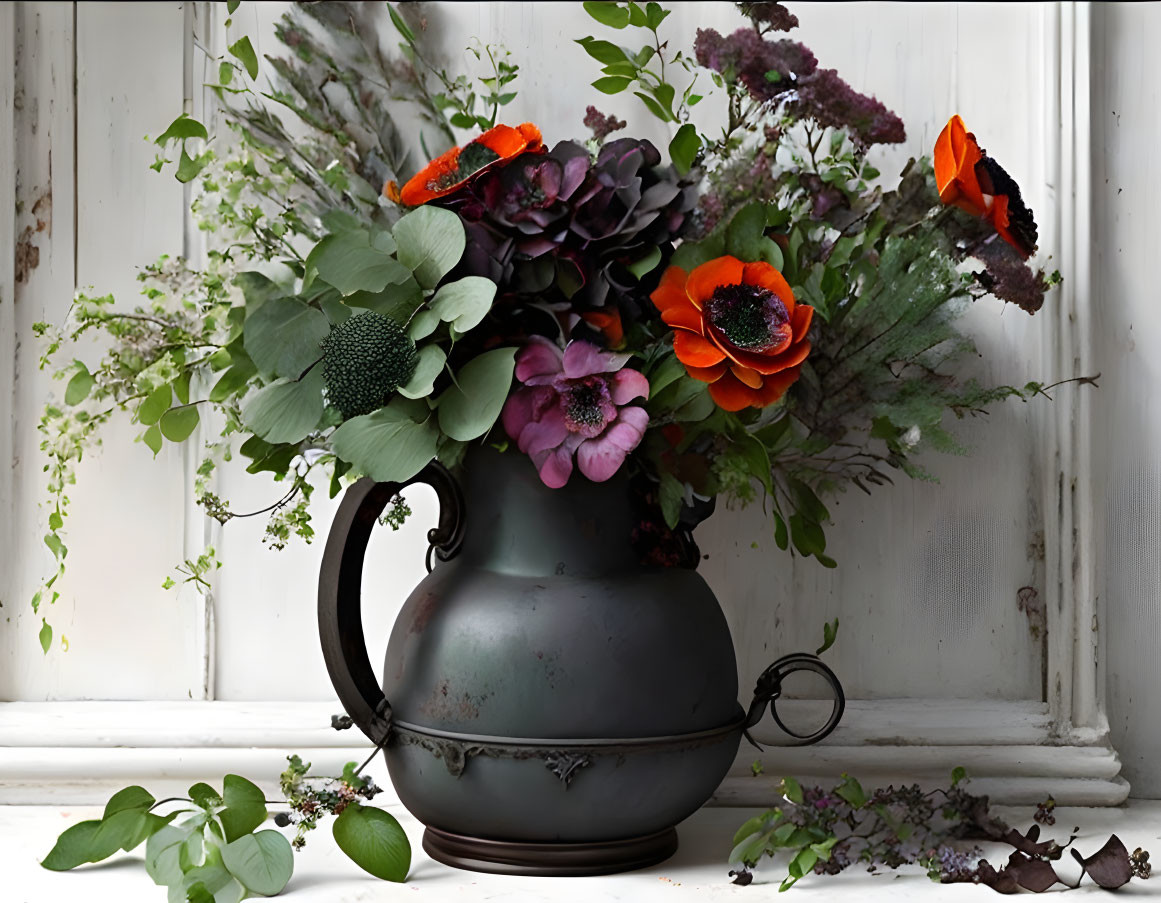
(555, 707)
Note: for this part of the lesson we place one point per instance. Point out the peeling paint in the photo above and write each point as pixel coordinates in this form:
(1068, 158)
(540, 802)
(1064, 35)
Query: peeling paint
(1028, 601)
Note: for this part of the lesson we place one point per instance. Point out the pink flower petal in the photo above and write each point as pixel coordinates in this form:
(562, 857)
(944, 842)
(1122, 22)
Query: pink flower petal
(555, 466)
(627, 385)
(600, 458)
(517, 412)
(583, 358)
(629, 429)
(544, 434)
(538, 362)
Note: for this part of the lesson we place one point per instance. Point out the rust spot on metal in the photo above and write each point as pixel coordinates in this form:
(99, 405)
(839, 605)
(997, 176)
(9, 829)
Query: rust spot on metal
(444, 704)
(423, 612)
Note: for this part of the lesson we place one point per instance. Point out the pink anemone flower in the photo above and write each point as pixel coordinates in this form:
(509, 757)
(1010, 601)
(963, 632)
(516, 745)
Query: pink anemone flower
(575, 402)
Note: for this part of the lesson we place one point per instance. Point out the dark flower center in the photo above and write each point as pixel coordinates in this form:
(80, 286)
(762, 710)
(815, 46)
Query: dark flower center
(588, 407)
(750, 317)
(472, 159)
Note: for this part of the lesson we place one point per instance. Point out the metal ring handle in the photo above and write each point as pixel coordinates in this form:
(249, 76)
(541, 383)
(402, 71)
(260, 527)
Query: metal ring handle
(340, 620)
(769, 689)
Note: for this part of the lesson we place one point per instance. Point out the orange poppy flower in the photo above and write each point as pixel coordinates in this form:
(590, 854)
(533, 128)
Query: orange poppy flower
(737, 327)
(973, 181)
(609, 323)
(450, 170)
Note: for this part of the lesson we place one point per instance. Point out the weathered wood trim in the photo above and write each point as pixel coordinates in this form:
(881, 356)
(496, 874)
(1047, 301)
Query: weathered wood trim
(7, 292)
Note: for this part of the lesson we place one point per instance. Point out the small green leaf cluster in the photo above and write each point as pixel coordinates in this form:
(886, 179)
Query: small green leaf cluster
(210, 848)
(644, 70)
(456, 101)
(215, 852)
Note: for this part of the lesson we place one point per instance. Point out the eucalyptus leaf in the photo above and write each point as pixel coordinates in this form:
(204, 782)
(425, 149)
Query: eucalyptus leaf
(181, 128)
(431, 241)
(152, 439)
(233, 380)
(155, 404)
(610, 14)
(422, 325)
(465, 302)
(163, 853)
(245, 807)
(286, 410)
(349, 262)
(386, 445)
(177, 424)
(398, 300)
(263, 862)
(427, 369)
(282, 337)
(205, 796)
(208, 882)
(468, 408)
(79, 386)
(374, 841)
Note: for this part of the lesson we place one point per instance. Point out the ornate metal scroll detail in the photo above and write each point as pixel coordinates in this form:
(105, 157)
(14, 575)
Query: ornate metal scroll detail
(565, 764)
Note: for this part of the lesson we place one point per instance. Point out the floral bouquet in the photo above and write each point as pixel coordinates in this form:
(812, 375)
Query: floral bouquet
(750, 309)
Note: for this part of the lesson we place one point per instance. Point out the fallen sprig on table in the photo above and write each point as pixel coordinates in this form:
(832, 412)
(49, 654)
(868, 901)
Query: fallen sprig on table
(827, 831)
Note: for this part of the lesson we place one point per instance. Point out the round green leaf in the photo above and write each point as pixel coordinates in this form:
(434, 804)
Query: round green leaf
(245, 807)
(163, 853)
(79, 386)
(386, 445)
(351, 262)
(204, 795)
(429, 366)
(286, 410)
(130, 798)
(465, 302)
(178, 423)
(684, 147)
(74, 847)
(283, 336)
(233, 379)
(210, 883)
(431, 241)
(152, 439)
(374, 841)
(610, 14)
(155, 404)
(468, 408)
(422, 325)
(263, 862)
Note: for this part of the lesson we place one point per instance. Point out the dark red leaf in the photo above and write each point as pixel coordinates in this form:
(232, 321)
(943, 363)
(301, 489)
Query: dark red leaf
(1035, 875)
(1109, 866)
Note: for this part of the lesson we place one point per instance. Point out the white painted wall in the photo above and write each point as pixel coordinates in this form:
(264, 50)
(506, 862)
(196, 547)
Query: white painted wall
(928, 574)
(1127, 334)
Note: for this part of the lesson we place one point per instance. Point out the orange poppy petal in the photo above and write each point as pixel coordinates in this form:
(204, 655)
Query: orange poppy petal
(956, 155)
(792, 356)
(433, 180)
(707, 374)
(763, 274)
(751, 378)
(774, 387)
(800, 321)
(609, 323)
(998, 216)
(704, 279)
(683, 316)
(667, 296)
(731, 394)
(694, 351)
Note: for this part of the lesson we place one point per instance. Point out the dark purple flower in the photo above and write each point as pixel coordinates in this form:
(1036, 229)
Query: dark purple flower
(575, 402)
(830, 101)
(768, 69)
(1008, 277)
(773, 15)
(601, 125)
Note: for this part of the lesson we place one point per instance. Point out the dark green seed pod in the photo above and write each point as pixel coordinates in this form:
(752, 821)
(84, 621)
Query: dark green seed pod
(365, 359)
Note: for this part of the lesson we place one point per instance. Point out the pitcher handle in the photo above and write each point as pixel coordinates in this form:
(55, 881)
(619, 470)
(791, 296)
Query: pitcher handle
(769, 689)
(340, 621)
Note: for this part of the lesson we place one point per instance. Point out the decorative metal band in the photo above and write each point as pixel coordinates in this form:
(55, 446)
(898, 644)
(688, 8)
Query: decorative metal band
(564, 757)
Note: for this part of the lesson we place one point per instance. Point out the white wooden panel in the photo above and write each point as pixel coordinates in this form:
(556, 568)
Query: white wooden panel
(928, 576)
(126, 527)
(45, 198)
(1126, 310)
